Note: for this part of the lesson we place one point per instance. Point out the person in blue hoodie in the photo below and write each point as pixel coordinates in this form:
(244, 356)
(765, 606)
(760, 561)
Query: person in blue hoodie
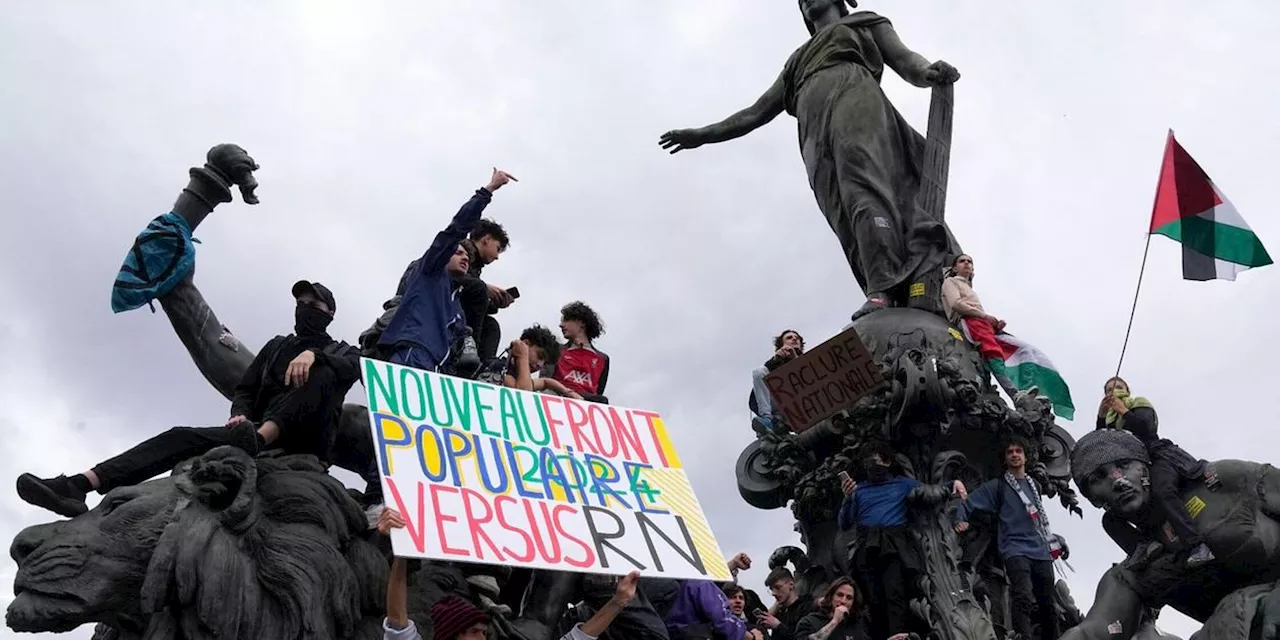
(886, 554)
(427, 327)
(1026, 544)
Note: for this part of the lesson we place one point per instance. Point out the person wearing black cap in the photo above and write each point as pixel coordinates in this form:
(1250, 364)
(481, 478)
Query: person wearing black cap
(289, 398)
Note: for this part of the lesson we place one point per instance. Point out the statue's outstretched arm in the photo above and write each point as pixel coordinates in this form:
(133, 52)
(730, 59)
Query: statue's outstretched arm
(765, 109)
(768, 107)
(1114, 604)
(219, 355)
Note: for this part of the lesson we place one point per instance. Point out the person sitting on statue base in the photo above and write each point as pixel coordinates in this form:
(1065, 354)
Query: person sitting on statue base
(290, 397)
(964, 309)
(787, 346)
(1171, 466)
(886, 556)
(1026, 544)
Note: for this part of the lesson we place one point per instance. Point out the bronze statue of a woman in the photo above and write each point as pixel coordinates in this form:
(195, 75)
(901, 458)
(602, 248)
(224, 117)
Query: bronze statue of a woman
(864, 161)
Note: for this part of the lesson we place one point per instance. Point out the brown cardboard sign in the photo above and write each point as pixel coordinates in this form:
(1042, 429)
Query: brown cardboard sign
(825, 380)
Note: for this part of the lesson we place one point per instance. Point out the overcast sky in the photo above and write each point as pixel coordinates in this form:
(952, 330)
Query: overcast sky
(373, 122)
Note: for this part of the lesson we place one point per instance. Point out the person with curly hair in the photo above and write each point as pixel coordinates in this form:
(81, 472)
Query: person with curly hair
(583, 369)
(536, 348)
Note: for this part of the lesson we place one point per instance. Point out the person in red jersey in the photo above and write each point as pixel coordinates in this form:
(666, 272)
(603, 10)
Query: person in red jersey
(582, 368)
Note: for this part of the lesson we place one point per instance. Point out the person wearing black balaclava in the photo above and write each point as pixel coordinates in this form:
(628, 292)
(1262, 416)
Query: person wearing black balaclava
(290, 398)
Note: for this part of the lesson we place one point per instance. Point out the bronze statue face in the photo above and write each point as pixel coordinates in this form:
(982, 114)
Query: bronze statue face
(816, 10)
(90, 568)
(1119, 487)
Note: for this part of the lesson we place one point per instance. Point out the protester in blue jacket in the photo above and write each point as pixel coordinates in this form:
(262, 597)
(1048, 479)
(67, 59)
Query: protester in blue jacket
(1026, 544)
(428, 325)
(886, 554)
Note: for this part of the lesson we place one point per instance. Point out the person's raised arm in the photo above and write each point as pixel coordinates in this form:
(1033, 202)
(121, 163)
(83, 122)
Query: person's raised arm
(848, 516)
(913, 67)
(442, 248)
(765, 109)
(592, 628)
(397, 625)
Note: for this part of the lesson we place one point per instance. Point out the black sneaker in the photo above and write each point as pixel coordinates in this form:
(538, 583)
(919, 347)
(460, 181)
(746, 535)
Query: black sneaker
(55, 494)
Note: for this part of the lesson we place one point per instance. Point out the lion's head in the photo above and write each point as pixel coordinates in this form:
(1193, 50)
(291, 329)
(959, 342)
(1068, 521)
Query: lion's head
(227, 547)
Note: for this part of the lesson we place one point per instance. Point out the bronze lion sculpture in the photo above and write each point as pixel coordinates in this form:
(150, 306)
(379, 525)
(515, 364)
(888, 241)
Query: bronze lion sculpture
(227, 547)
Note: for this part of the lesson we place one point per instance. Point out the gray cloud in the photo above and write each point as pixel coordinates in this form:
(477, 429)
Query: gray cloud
(373, 125)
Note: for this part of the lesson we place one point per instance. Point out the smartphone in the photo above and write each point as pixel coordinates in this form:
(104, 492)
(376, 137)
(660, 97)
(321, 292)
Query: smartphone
(844, 475)
(513, 292)
(757, 613)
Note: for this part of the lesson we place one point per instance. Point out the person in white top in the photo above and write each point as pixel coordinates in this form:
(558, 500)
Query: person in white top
(964, 310)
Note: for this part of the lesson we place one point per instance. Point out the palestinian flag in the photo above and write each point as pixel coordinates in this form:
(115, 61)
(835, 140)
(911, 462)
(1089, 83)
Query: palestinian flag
(1022, 366)
(1216, 242)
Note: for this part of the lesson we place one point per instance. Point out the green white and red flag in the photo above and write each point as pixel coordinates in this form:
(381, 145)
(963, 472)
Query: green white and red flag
(1216, 242)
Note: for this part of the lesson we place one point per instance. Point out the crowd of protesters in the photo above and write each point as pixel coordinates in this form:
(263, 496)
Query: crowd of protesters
(444, 318)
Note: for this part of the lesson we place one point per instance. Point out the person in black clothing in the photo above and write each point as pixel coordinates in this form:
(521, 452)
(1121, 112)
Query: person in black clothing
(788, 345)
(788, 609)
(290, 397)
(480, 300)
(841, 615)
(1171, 466)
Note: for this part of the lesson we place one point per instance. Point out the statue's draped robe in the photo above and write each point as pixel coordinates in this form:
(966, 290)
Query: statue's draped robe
(864, 161)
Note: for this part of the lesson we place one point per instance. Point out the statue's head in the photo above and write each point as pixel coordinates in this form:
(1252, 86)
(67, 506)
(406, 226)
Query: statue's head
(239, 547)
(814, 10)
(1110, 469)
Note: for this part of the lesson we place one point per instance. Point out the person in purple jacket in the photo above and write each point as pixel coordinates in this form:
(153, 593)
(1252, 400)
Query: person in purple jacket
(700, 610)
(428, 323)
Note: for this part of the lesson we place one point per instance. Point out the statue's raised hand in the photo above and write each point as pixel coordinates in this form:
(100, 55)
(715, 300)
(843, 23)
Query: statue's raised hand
(233, 165)
(940, 73)
(681, 139)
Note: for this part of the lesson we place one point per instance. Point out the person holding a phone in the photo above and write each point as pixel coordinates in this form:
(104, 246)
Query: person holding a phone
(886, 555)
(481, 301)
(787, 346)
(788, 608)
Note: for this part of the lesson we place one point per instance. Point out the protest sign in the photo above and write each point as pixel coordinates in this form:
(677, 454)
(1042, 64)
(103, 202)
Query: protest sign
(483, 473)
(828, 379)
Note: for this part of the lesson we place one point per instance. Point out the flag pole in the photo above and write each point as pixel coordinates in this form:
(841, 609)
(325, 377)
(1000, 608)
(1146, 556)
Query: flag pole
(1134, 310)
(1143, 269)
